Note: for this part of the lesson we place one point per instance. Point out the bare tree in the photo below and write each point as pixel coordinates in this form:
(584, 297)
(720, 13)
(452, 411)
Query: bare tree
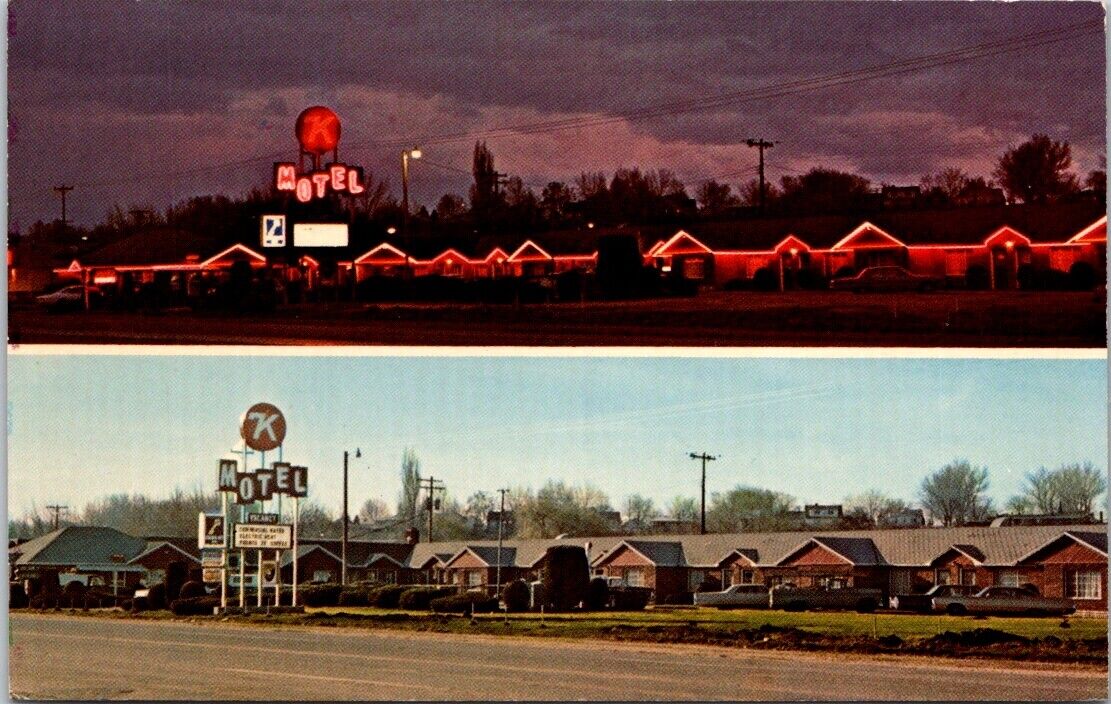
(410, 486)
(683, 508)
(956, 493)
(1071, 488)
(373, 509)
(874, 504)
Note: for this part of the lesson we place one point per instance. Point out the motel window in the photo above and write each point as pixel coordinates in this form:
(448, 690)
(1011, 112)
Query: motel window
(321, 576)
(694, 268)
(1008, 579)
(748, 577)
(726, 578)
(155, 577)
(474, 578)
(967, 577)
(1083, 584)
(941, 576)
(956, 263)
(695, 578)
(634, 576)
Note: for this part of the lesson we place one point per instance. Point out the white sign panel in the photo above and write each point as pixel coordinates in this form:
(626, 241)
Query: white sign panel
(320, 234)
(263, 537)
(210, 531)
(273, 230)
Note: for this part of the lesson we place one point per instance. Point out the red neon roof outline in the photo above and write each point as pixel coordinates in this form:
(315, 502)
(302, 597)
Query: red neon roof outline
(681, 235)
(235, 247)
(384, 246)
(863, 228)
(495, 252)
(451, 253)
(306, 259)
(73, 266)
(792, 240)
(655, 248)
(517, 254)
(1096, 232)
(1008, 232)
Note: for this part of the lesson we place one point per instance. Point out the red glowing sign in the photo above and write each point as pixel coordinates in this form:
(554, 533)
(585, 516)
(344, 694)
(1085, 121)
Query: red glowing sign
(318, 130)
(336, 178)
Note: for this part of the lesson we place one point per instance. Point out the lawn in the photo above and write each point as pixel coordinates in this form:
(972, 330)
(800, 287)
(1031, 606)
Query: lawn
(906, 626)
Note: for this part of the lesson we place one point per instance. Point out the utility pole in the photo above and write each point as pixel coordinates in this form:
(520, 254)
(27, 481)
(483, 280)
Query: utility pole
(761, 144)
(58, 510)
(343, 545)
(501, 521)
(63, 190)
(705, 458)
(430, 500)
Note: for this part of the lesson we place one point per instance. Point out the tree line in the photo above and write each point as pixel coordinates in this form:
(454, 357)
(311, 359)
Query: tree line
(955, 494)
(1039, 170)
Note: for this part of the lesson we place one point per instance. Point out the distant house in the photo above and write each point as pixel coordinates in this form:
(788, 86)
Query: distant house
(822, 515)
(906, 518)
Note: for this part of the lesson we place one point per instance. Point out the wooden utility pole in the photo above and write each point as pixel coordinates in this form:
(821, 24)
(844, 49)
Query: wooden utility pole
(501, 522)
(430, 500)
(761, 144)
(58, 511)
(705, 458)
(63, 190)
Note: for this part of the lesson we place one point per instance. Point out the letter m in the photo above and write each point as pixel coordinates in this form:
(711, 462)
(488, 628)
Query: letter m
(285, 177)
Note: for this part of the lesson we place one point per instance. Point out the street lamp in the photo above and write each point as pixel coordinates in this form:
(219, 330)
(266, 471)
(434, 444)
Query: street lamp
(343, 546)
(391, 230)
(406, 155)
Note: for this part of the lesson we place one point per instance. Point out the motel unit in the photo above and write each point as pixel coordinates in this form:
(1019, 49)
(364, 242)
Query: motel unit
(995, 247)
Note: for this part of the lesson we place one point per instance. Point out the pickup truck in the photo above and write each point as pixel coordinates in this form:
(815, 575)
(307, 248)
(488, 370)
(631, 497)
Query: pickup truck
(791, 598)
(923, 603)
(738, 596)
(1004, 600)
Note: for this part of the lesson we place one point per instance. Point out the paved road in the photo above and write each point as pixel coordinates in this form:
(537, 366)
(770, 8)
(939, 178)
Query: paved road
(86, 658)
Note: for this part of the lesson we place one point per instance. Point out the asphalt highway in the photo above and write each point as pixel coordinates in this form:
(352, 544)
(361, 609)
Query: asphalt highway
(63, 657)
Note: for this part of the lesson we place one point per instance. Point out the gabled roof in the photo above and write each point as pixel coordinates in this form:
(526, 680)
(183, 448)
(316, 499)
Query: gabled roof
(1091, 539)
(385, 247)
(379, 557)
(1096, 232)
(682, 241)
(451, 253)
(867, 235)
(789, 242)
(1007, 234)
(855, 551)
(84, 545)
(495, 253)
(303, 550)
(155, 546)
(660, 553)
(749, 555)
(161, 245)
(529, 251)
(234, 249)
(970, 551)
(488, 555)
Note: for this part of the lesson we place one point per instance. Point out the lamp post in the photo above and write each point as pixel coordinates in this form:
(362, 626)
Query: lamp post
(406, 155)
(343, 545)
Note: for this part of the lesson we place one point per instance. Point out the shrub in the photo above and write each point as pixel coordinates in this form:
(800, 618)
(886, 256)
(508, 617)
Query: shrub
(177, 574)
(597, 594)
(418, 598)
(192, 590)
(195, 606)
(977, 277)
(463, 603)
(387, 597)
(319, 594)
(516, 596)
(17, 598)
(1083, 276)
(765, 280)
(630, 598)
(156, 597)
(353, 596)
(565, 575)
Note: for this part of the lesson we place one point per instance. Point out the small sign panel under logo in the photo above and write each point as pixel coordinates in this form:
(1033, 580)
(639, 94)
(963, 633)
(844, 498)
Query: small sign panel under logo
(273, 230)
(263, 518)
(263, 537)
(211, 574)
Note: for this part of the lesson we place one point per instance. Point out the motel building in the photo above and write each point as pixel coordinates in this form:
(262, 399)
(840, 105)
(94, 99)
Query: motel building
(998, 247)
(1058, 560)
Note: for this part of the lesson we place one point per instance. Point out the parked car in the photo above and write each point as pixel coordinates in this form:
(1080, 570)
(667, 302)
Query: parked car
(1003, 600)
(791, 598)
(923, 603)
(885, 278)
(68, 298)
(738, 596)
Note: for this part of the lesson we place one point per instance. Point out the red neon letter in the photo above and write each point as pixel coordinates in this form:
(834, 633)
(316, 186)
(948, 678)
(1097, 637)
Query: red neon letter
(339, 177)
(320, 178)
(353, 178)
(285, 177)
(304, 190)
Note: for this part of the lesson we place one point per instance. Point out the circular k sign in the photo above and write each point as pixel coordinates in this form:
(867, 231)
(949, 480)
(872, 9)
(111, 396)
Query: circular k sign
(263, 427)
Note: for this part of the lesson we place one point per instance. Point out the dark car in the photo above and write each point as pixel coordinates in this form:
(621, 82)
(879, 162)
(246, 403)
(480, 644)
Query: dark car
(923, 603)
(1004, 600)
(69, 298)
(884, 278)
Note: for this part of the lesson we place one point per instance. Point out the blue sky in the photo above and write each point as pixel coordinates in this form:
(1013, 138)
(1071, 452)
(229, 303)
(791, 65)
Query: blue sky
(819, 429)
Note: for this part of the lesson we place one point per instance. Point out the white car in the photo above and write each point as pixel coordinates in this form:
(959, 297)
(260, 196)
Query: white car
(67, 297)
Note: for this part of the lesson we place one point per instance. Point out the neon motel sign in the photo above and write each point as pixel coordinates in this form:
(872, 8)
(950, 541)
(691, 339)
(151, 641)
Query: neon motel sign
(335, 178)
(262, 484)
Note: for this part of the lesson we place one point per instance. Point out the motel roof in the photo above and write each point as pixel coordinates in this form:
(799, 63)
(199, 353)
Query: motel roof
(81, 545)
(162, 245)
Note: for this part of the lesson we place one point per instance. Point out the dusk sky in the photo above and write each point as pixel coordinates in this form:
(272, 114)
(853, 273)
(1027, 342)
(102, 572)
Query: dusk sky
(82, 427)
(146, 103)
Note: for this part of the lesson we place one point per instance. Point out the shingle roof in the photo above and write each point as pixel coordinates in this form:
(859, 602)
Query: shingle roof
(84, 545)
(156, 246)
(155, 545)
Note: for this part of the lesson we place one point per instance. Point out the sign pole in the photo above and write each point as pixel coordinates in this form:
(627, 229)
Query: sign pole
(258, 591)
(277, 578)
(296, 513)
(242, 580)
(224, 553)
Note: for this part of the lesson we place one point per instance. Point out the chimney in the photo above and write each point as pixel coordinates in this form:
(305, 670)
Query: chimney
(412, 536)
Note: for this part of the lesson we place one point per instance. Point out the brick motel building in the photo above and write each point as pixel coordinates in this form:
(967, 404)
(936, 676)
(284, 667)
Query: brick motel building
(1065, 561)
(997, 247)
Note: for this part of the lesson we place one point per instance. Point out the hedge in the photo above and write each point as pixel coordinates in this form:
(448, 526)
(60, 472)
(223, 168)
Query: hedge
(597, 594)
(354, 596)
(195, 606)
(418, 598)
(156, 597)
(17, 598)
(516, 596)
(464, 603)
(192, 590)
(319, 594)
(387, 596)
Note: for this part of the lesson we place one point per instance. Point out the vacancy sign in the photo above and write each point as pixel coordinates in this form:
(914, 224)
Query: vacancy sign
(320, 234)
(273, 230)
(263, 537)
